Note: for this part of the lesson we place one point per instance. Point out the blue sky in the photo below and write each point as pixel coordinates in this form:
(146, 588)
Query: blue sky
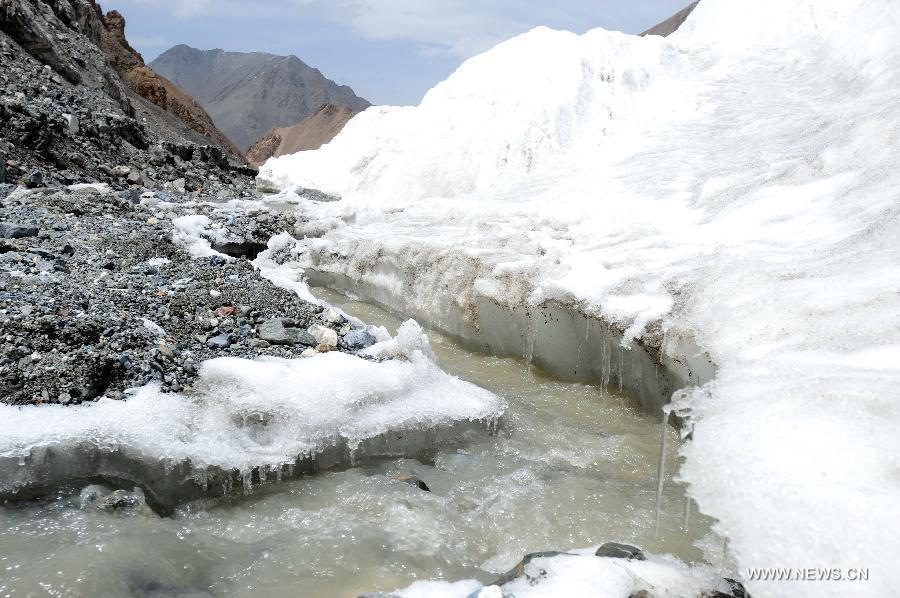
(389, 51)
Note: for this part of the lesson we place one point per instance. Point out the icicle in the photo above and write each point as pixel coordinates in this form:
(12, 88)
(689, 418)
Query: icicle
(291, 470)
(608, 363)
(587, 328)
(686, 523)
(604, 366)
(263, 474)
(203, 478)
(661, 469)
(621, 369)
(529, 341)
(724, 556)
(278, 471)
(247, 480)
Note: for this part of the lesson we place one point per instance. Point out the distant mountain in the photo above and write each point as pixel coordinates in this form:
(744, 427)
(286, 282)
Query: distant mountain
(249, 94)
(308, 134)
(672, 24)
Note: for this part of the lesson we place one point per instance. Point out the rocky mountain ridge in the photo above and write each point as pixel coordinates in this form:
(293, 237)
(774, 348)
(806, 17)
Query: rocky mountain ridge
(671, 25)
(249, 94)
(309, 134)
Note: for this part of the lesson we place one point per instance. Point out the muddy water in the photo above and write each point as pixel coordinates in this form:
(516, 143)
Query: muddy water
(573, 466)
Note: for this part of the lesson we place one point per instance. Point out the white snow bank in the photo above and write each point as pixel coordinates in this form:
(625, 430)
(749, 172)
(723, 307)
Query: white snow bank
(251, 413)
(99, 187)
(737, 181)
(580, 574)
(188, 232)
(287, 276)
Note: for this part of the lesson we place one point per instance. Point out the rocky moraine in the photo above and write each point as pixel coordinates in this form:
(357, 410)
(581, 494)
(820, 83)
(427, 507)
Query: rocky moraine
(95, 297)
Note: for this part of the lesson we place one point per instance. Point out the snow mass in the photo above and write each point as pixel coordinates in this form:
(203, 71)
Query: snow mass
(736, 182)
(307, 404)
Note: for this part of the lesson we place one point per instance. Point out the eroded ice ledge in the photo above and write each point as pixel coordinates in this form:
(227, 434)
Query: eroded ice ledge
(248, 422)
(560, 338)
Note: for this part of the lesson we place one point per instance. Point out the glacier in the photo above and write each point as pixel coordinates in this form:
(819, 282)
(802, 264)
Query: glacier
(732, 189)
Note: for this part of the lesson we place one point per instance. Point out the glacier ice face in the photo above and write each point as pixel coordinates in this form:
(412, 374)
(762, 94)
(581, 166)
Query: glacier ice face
(243, 415)
(736, 183)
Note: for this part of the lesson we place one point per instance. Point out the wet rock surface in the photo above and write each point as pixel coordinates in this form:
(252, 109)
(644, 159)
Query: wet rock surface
(415, 481)
(519, 569)
(616, 550)
(96, 297)
(735, 589)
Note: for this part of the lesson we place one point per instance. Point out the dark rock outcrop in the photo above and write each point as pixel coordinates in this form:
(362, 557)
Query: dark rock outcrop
(66, 115)
(671, 25)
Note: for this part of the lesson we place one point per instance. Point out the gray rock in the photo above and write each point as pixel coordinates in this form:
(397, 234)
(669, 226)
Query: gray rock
(9, 230)
(615, 550)
(35, 178)
(356, 340)
(732, 589)
(135, 177)
(276, 332)
(220, 341)
(72, 125)
(316, 195)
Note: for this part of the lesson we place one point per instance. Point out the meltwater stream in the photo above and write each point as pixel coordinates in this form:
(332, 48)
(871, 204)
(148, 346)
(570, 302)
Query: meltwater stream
(573, 466)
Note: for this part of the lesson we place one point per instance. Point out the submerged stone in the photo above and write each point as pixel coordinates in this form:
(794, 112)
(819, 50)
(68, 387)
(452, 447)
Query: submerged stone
(615, 550)
(118, 501)
(415, 481)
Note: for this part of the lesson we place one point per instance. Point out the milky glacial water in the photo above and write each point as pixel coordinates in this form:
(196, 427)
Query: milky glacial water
(573, 466)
